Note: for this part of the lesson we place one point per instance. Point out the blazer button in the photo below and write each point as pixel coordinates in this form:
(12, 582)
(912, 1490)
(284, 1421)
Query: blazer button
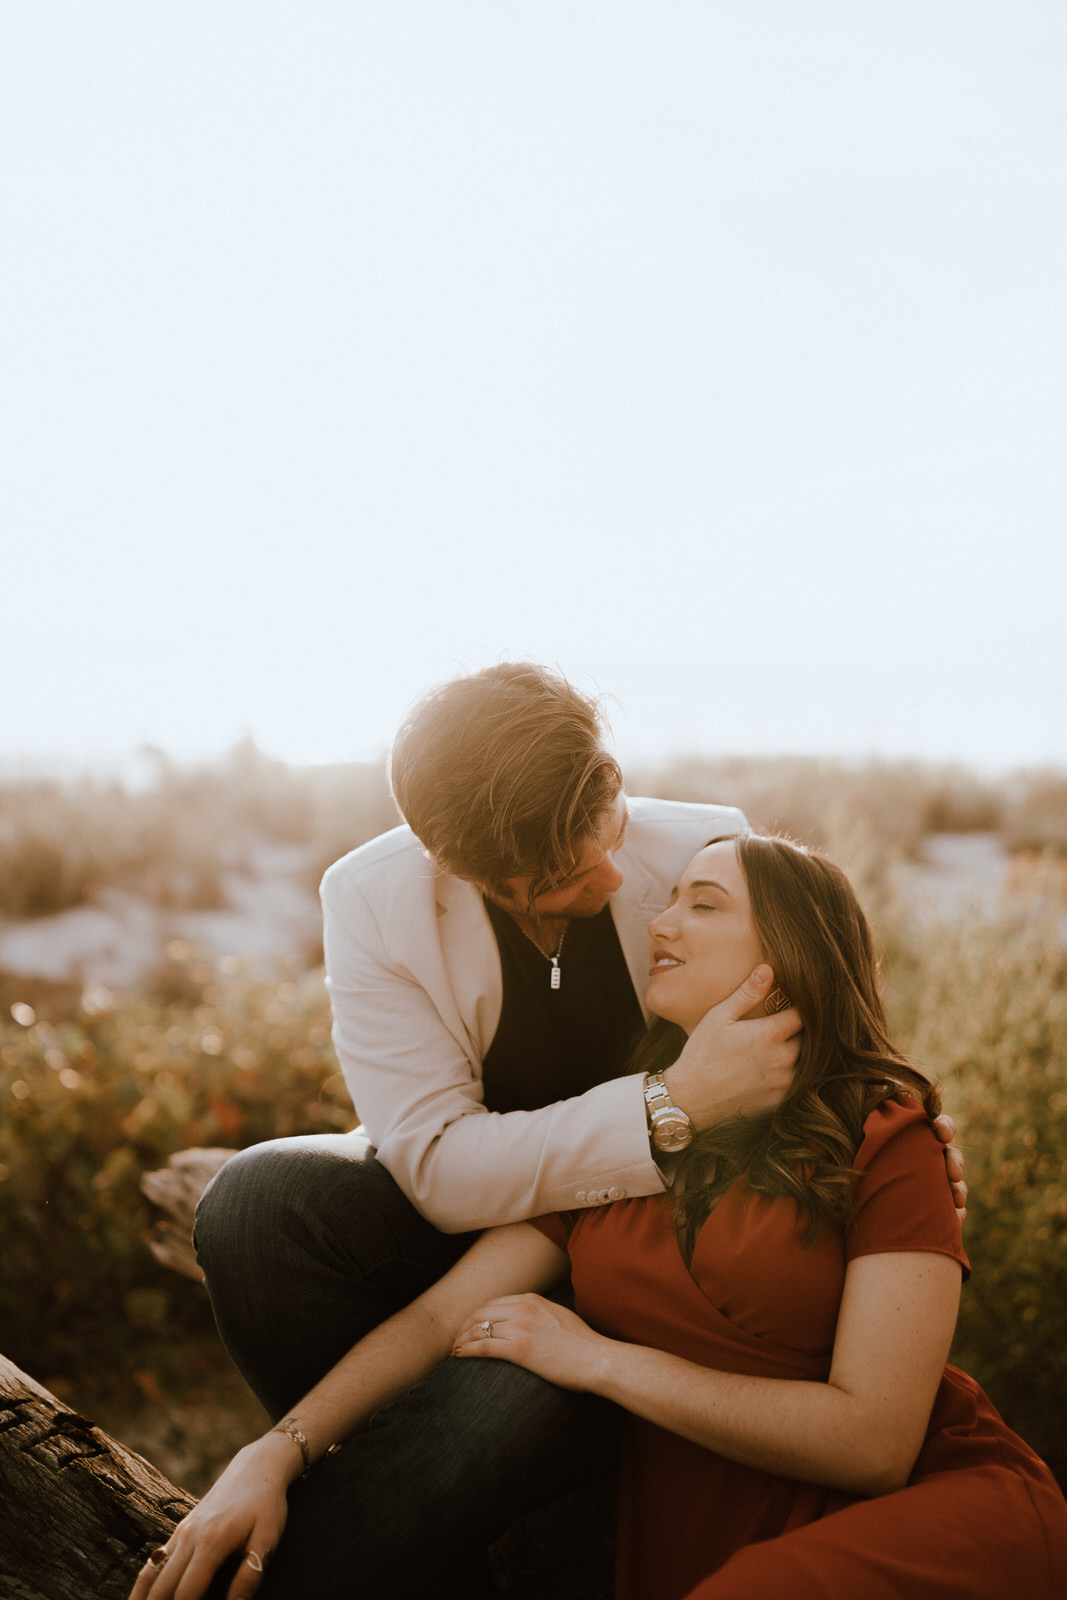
(616, 1194)
(581, 1197)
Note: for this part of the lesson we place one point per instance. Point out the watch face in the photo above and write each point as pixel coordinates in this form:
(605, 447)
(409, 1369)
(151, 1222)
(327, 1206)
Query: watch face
(672, 1132)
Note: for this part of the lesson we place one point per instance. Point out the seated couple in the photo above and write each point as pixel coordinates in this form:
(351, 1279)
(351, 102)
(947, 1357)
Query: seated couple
(767, 1290)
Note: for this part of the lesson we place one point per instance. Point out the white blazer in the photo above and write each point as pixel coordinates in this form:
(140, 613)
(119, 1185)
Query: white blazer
(416, 990)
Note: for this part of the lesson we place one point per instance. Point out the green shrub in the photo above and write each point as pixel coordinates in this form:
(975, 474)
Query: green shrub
(90, 1103)
(991, 1022)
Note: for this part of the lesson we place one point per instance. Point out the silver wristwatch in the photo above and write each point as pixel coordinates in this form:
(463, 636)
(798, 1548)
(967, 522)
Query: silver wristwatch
(668, 1126)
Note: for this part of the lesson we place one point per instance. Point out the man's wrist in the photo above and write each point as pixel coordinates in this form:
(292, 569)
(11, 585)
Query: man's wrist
(669, 1128)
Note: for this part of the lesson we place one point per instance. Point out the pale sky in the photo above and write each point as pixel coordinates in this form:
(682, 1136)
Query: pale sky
(716, 352)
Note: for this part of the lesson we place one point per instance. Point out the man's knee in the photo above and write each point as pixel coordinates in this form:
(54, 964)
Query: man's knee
(267, 1190)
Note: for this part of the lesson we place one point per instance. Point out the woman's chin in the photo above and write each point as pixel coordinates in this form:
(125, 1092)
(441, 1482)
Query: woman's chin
(666, 1013)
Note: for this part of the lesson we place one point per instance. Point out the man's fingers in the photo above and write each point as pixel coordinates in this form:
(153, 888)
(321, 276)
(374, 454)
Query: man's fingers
(945, 1128)
(754, 989)
(954, 1165)
(791, 1028)
(760, 993)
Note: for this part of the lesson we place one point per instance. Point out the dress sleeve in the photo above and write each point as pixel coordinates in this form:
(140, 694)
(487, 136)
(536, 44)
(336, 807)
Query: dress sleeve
(556, 1226)
(903, 1200)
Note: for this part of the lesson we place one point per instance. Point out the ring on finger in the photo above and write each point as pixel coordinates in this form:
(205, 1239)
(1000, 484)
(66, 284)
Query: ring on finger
(487, 1329)
(257, 1562)
(158, 1558)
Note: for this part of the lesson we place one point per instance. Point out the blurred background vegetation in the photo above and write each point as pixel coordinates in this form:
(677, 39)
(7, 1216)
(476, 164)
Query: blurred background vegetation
(98, 1087)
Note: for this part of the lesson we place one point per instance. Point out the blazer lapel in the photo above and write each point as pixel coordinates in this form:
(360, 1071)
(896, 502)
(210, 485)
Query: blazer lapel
(632, 908)
(471, 960)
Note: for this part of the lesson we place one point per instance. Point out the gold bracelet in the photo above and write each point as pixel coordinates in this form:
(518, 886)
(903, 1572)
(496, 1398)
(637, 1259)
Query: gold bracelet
(299, 1438)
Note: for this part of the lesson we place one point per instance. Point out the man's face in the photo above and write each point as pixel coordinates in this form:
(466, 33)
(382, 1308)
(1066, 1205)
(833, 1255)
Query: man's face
(585, 891)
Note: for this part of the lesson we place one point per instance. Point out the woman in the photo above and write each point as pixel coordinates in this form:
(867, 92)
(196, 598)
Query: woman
(777, 1325)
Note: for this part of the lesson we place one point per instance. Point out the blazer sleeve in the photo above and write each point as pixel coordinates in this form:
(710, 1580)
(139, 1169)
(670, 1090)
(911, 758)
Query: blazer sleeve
(418, 1093)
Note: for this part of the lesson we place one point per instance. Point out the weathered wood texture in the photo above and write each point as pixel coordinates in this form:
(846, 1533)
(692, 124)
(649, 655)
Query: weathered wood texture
(176, 1189)
(78, 1511)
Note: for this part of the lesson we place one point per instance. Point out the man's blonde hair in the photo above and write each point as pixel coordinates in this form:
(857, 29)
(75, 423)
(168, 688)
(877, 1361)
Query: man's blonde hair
(503, 773)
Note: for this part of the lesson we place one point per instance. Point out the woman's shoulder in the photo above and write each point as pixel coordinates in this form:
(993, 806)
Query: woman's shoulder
(897, 1124)
(902, 1198)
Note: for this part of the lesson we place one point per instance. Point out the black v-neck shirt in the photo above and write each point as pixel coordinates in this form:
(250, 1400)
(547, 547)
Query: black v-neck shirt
(550, 1043)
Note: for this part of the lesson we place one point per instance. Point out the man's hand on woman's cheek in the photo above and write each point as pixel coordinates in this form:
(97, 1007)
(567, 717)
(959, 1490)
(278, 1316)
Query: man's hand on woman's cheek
(732, 1064)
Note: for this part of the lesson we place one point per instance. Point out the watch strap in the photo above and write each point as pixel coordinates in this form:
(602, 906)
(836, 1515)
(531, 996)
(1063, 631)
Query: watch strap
(665, 1119)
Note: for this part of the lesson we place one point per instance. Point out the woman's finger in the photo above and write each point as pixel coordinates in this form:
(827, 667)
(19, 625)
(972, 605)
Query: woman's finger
(481, 1332)
(192, 1578)
(249, 1574)
(161, 1573)
(259, 1548)
(143, 1583)
(488, 1336)
(495, 1349)
(147, 1575)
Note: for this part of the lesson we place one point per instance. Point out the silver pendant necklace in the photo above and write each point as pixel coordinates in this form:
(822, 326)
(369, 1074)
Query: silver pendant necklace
(555, 976)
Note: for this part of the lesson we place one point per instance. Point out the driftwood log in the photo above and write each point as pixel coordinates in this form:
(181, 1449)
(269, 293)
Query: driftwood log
(79, 1512)
(175, 1190)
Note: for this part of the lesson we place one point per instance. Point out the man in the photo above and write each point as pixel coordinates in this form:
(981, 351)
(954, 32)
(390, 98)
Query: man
(487, 966)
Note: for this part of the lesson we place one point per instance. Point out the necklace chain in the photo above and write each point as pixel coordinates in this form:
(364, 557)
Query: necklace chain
(555, 977)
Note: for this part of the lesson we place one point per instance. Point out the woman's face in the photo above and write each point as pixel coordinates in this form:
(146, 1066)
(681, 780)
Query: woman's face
(705, 943)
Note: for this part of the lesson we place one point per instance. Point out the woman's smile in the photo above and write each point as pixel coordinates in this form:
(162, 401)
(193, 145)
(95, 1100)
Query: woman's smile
(705, 941)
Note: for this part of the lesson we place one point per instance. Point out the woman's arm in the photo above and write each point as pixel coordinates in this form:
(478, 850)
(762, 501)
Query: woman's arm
(246, 1509)
(860, 1431)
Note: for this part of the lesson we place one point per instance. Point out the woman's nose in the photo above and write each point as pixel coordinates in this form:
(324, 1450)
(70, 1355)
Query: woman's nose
(660, 927)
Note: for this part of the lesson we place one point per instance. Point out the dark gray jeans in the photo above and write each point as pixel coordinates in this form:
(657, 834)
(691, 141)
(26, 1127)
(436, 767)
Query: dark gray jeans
(306, 1245)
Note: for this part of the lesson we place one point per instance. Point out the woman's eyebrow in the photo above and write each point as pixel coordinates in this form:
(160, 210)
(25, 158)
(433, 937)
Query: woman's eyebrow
(710, 883)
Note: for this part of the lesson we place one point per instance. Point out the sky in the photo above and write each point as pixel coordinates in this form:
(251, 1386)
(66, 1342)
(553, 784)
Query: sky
(715, 353)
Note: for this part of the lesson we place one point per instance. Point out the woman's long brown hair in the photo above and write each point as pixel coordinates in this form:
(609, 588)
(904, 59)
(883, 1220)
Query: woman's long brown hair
(818, 941)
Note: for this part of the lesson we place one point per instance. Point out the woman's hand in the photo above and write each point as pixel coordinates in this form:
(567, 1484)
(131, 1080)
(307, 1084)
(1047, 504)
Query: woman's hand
(539, 1335)
(243, 1512)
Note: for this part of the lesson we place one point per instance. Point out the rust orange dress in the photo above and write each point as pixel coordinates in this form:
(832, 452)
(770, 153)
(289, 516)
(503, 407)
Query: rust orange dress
(981, 1517)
